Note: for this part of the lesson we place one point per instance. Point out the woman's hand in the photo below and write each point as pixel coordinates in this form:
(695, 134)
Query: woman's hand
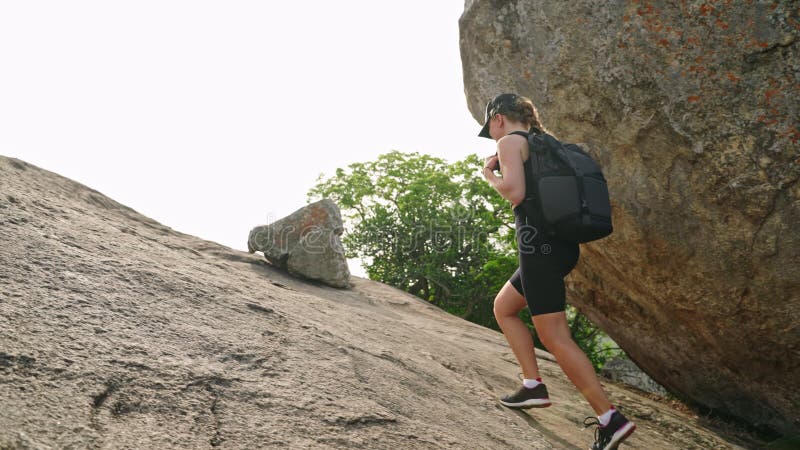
(491, 163)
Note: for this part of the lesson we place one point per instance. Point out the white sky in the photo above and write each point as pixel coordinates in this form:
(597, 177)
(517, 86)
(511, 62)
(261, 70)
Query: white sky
(215, 117)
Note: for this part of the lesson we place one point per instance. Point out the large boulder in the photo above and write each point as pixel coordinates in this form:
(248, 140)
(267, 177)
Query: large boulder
(692, 110)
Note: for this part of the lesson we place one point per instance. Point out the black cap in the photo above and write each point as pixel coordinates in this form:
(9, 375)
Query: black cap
(500, 104)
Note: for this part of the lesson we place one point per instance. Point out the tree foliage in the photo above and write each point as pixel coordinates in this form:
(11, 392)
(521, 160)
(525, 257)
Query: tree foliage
(597, 346)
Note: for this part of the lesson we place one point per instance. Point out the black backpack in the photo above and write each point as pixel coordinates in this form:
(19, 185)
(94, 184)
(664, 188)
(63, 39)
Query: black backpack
(571, 194)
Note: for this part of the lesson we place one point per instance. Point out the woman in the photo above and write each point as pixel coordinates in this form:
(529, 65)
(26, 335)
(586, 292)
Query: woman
(538, 283)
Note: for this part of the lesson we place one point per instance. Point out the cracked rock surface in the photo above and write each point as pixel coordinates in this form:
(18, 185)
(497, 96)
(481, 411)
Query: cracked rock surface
(119, 332)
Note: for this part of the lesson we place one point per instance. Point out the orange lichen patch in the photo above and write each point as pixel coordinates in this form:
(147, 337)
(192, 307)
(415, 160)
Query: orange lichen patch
(721, 24)
(663, 43)
(764, 120)
(733, 77)
(699, 59)
(693, 41)
(311, 222)
(648, 9)
(793, 134)
(771, 93)
(653, 24)
(626, 18)
(693, 98)
(755, 43)
(705, 9)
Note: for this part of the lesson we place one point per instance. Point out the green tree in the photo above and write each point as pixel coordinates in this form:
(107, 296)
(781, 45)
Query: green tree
(433, 229)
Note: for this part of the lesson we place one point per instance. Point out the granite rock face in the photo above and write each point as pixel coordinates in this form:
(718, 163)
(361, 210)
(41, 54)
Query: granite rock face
(306, 243)
(692, 110)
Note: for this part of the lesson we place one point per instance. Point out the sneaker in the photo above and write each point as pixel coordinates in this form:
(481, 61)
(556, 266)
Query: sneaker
(610, 436)
(526, 398)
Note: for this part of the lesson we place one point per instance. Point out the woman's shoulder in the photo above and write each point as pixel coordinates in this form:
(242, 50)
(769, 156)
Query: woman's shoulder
(511, 143)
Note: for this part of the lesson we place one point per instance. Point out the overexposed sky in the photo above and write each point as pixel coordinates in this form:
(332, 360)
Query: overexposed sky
(215, 117)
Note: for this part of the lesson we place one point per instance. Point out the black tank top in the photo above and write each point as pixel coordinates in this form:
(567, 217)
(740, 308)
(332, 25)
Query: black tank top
(530, 188)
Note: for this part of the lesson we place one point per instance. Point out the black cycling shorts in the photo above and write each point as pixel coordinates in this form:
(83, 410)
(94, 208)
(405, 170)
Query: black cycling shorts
(543, 264)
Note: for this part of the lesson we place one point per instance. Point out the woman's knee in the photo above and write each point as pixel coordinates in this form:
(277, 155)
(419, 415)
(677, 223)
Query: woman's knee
(508, 302)
(553, 330)
(555, 342)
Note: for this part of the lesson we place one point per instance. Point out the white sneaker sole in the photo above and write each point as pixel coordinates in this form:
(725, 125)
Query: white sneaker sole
(530, 403)
(620, 436)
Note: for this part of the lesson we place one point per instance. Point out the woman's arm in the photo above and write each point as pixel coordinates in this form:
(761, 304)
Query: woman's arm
(511, 185)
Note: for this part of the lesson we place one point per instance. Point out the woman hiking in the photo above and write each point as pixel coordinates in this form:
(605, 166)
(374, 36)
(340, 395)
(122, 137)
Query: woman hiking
(538, 282)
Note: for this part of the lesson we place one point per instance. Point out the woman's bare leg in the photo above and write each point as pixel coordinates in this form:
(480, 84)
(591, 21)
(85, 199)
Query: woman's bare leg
(553, 331)
(507, 305)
